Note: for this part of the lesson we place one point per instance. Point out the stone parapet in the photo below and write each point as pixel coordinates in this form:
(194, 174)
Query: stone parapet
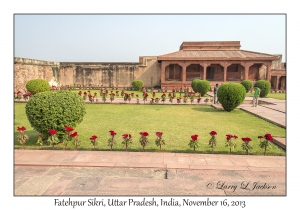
(27, 61)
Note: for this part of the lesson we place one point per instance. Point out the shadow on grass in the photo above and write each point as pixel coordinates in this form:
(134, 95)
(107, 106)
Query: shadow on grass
(32, 138)
(207, 109)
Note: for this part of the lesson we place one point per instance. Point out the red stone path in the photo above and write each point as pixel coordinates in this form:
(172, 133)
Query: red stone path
(48, 172)
(161, 160)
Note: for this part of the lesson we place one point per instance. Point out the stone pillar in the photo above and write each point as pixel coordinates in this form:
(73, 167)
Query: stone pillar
(246, 72)
(225, 65)
(163, 71)
(269, 71)
(247, 66)
(277, 81)
(225, 71)
(183, 66)
(205, 65)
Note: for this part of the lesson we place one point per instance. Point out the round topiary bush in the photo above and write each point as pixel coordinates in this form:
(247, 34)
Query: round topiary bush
(54, 110)
(247, 84)
(264, 86)
(231, 95)
(137, 84)
(37, 85)
(200, 86)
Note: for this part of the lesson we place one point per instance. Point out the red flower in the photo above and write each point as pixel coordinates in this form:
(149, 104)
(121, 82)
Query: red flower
(40, 135)
(69, 129)
(93, 138)
(269, 137)
(194, 137)
(52, 132)
(247, 139)
(74, 134)
(112, 133)
(159, 134)
(260, 137)
(228, 137)
(213, 133)
(125, 136)
(235, 137)
(144, 134)
(84, 93)
(21, 128)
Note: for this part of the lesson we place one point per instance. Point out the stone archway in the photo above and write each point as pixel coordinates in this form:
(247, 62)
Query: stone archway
(234, 72)
(256, 72)
(215, 72)
(194, 71)
(173, 72)
(282, 83)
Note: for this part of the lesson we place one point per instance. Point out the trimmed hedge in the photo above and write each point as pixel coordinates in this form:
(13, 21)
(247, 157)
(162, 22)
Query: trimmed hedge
(37, 85)
(247, 84)
(54, 110)
(200, 86)
(137, 84)
(264, 86)
(231, 95)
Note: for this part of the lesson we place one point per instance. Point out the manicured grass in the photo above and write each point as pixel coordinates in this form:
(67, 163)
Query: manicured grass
(177, 122)
(279, 96)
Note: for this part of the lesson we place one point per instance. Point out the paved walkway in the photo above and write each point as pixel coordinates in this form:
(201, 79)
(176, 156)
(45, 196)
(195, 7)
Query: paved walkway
(41, 172)
(47, 172)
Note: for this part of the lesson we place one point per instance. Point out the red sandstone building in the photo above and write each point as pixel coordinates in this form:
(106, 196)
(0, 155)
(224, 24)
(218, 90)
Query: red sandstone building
(219, 62)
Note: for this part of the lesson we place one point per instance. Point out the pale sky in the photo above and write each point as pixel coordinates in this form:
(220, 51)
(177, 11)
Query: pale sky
(123, 38)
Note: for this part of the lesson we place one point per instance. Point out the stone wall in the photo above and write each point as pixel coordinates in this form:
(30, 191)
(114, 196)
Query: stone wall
(87, 73)
(28, 69)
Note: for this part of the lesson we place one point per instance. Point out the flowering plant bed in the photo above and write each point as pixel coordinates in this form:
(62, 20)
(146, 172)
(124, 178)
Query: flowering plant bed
(176, 122)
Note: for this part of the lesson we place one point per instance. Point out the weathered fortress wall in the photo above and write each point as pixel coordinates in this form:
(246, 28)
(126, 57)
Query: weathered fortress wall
(88, 73)
(28, 69)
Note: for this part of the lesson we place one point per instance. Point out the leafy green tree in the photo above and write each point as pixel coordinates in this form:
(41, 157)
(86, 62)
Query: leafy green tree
(264, 86)
(55, 110)
(137, 84)
(231, 95)
(37, 85)
(247, 84)
(200, 86)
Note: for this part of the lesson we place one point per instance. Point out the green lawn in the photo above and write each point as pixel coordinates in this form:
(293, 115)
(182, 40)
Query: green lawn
(279, 96)
(177, 122)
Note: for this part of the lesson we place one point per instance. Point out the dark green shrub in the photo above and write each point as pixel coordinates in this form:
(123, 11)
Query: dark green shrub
(264, 86)
(200, 86)
(231, 95)
(137, 84)
(54, 110)
(247, 84)
(37, 85)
